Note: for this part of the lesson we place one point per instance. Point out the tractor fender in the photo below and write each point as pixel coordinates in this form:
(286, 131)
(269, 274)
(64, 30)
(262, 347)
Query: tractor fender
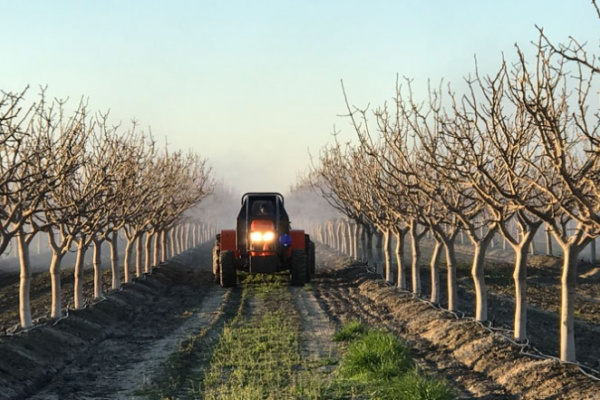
(298, 239)
(228, 240)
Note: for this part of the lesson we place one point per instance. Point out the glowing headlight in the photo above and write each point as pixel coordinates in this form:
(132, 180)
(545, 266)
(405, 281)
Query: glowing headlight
(268, 236)
(262, 236)
(255, 236)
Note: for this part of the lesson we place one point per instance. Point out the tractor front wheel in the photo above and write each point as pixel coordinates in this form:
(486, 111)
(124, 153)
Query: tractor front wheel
(227, 267)
(216, 266)
(311, 258)
(299, 268)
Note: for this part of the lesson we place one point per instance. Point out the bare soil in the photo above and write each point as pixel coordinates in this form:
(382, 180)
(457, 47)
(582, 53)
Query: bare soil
(119, 347)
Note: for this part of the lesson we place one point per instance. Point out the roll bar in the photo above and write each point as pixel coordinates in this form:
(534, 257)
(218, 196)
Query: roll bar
(261, 194)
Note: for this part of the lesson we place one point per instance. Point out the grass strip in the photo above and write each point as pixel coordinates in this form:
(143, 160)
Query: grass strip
(377, 365)
(259, 353)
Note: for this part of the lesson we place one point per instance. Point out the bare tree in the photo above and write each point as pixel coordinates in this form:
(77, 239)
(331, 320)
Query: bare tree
(568, 161)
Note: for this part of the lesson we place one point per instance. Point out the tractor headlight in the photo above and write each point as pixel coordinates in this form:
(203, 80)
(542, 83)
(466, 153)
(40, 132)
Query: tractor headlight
(262, 236)
(256, 236)
(268, 236)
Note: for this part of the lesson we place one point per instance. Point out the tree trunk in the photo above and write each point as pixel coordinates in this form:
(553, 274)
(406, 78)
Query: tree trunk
(188, 236)
(339, 242)
(195, 236)
(127, 259)
(435, 272)
(549, 250)
(147, 253)
(163, 245)
(180, 238)
(114, 260)
(331, 234)
(451, 273)
(477, 273)
(567, 311)
(401, 271)
(139, 251)
(156, 249)
(379, 251)
(173, 238)
(363, 244)
(416, 258)
(387, 255)
(78, 274)
(346, 235)
(56, 308)
(97, 264)
(369, 246)
(520, 279)
(355, 235)
(593, 252)
(25, 281)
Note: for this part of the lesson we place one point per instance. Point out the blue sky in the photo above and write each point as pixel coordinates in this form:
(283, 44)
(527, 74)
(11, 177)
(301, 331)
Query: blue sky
(255, 85)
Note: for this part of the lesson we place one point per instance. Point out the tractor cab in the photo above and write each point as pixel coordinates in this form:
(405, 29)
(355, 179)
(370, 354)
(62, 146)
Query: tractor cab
(262, 223)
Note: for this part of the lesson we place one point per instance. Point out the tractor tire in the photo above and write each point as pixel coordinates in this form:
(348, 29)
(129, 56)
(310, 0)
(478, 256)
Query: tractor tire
(216, 265)
(312, 258)
(308, 258)
(299, 269)
(227, 269)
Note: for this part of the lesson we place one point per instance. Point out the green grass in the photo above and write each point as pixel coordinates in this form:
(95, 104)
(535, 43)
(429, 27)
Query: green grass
(377, 365)
(351, 330)
(258, 355)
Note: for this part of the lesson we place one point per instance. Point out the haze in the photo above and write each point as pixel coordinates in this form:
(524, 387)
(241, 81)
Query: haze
(254, 86)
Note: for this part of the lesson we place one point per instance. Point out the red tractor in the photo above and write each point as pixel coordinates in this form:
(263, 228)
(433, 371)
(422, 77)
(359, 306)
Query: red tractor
(263, 243)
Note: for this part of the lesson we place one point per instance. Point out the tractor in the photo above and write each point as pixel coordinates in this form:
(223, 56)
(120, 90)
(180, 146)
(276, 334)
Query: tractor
(263, 243)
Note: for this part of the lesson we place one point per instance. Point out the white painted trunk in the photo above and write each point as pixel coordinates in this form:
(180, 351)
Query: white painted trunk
(451, 275)
(363, 244)
(78, 298)
(387, 255)
(114, 261)
(139, 251)
(178, 240)
(97, 264)
(56, 307)
(25, 281)
(401, 271)
(173, 238)
(481, 307)
(416, 259)
(379, 252)
(369, 245)
(127, 259)
(549, 250)
(339, 242)
(148, 253)
(354, 232)
(163, 246)
(520, 279)
(195, 236)
(567, 311)
(156, 249)
(435, 272)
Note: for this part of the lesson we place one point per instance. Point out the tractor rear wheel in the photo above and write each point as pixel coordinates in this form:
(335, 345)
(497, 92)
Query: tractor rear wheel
(299, 268)
(227, 269)
(311, 258)
(216, 267)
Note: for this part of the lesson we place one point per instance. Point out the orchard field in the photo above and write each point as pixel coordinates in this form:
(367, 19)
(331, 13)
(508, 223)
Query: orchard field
(162, 336)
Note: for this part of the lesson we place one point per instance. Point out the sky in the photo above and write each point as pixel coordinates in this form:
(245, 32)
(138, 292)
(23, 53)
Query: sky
(254, 86)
